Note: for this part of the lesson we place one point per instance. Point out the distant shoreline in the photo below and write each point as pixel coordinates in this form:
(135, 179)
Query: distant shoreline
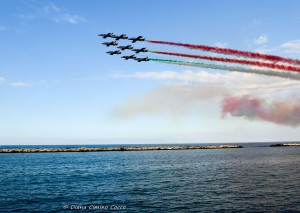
(120, 148)
(285, 144)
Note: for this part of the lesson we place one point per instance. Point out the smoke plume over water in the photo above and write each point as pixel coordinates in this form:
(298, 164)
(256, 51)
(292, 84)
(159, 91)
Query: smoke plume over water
(279, 112)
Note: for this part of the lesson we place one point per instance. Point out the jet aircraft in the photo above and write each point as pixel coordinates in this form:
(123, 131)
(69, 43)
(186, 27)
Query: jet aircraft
(113, 43)
(123, 36)
(127, 47)
(140, 50)
(129, 57)
(111, 35)
(142, 59)
(114, 52)
(135, 39)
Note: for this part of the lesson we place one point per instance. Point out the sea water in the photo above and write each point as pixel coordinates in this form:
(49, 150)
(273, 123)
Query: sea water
(256, 178)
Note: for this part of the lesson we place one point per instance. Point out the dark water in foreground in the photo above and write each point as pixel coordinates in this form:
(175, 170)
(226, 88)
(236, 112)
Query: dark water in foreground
(253, 179)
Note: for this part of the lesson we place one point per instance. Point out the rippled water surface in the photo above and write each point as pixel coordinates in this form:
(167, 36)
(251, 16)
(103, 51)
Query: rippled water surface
(254, 178)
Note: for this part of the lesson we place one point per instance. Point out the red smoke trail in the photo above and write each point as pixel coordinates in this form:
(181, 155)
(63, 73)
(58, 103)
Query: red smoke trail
(279, 112)
(231, 52)
(238, 61)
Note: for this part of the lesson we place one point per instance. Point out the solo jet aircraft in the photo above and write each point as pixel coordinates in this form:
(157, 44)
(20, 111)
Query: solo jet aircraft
(111, 35)
(123, 36)
(140, 50)
(114, 52)
(129, 57)
(135, 39)
(127, 47)
(113, 43)
(142, 59)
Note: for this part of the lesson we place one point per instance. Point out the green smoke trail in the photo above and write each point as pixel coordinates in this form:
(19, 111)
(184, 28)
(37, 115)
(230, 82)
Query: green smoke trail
(261, 64)
(230, 68)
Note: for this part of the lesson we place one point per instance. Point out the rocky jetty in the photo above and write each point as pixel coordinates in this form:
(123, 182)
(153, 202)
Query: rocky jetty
(285, 144)
(86, 149)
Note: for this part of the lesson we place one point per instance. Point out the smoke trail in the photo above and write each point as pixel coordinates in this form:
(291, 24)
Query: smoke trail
(230, 60)
(230, 68)
(231, 52)
(163, 99)
(279, 112)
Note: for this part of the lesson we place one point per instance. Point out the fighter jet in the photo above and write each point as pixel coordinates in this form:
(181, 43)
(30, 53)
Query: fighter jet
(123, 36)
(135, 39)
(140, 50)
(114, 52)
(113, 43)
(142, 59)
(111, 35)
(128, 47)
(129, 57)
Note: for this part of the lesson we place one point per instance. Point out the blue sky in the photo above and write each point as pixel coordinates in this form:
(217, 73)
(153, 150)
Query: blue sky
(57, 84)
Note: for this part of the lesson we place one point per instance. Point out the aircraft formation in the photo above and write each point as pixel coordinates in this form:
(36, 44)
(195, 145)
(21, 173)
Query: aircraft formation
(123, 48)
(269, 65)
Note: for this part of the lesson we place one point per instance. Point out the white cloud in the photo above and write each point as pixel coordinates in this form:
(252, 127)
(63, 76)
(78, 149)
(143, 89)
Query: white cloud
(51, 8)
(2, 80)
(20, 84)
(235, 82)
(186, 76)
(60, 15)
(287, 47)
(265, 50)
(69, 18)
(221, 44)
(291, 46)
(14, 84)
(263, 39)
(54, 12)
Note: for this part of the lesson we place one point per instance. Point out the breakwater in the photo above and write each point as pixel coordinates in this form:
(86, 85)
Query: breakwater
(285, 144)
(86, 149)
